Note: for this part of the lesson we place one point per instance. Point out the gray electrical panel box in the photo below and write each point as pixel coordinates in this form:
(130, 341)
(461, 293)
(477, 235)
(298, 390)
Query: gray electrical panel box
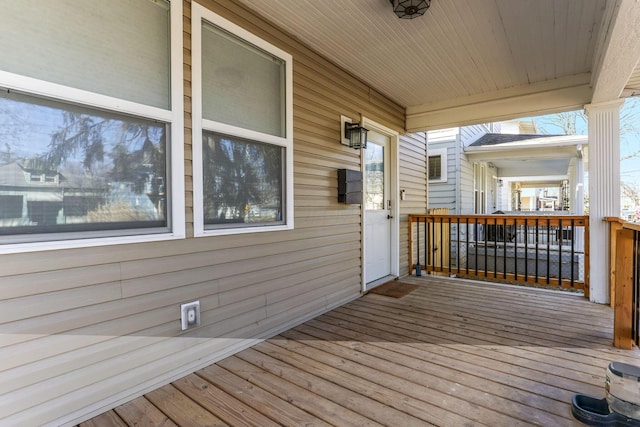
(349, 186)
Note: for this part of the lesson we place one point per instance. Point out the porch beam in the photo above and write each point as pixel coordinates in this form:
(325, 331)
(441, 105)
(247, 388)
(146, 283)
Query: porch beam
(618, 50)
(547, 153)
(564, 94)
(604, 191)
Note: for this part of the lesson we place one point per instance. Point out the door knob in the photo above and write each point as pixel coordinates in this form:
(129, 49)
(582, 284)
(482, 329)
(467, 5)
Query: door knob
(389, 217)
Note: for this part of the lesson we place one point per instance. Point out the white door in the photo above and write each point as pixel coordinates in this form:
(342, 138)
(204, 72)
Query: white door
(377, 209)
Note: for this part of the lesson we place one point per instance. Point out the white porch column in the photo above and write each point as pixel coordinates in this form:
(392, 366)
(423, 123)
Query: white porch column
(604, 190)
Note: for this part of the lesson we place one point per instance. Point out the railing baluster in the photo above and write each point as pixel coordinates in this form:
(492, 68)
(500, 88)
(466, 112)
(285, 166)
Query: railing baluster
(467, 254)
(449, 244)
(526, 251)
(505, 234)
(486, 252)
(475, 237)
(636, 286)
(458, 245)
(428, 247)
(548, 251)
(573, 250)
(495, 248)
(418, 267)
(537, 240)
(560, 241)
(441, 246)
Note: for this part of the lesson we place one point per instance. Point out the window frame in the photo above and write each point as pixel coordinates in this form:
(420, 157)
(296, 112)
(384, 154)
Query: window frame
(199, 14)
(442, 153)
(174, 117)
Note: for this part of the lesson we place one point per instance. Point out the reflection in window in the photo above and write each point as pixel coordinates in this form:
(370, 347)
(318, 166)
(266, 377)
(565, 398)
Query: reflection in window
(65, 168)
(243, 181)
(374, 166)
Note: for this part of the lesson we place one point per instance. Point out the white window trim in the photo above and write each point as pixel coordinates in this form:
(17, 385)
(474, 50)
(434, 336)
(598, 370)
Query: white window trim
(442, 152)
(198, 14)
(174, 117)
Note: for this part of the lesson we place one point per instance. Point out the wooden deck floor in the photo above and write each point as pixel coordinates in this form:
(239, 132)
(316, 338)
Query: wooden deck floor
(451, 353)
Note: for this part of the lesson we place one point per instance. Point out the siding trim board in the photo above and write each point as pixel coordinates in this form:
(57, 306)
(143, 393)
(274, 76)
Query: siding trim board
(115, 333)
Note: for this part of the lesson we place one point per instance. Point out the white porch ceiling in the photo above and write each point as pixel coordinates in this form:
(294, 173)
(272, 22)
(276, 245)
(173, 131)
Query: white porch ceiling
(469, 61)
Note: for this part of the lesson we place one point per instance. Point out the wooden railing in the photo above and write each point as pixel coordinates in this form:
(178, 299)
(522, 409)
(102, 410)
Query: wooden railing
(625, 281)
(549, 250)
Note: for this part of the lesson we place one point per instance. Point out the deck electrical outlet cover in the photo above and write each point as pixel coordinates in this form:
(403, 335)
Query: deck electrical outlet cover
(190, 314)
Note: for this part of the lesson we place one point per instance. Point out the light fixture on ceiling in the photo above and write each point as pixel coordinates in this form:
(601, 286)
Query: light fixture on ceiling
(409, 9)
(356, 134)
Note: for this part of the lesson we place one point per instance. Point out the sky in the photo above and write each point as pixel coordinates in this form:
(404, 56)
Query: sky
(630, 142)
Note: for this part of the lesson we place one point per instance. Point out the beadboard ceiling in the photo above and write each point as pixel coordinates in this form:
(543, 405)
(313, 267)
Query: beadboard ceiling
(461, 52)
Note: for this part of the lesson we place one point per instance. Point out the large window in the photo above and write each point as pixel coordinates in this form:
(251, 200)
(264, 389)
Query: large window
(90, 123)
(242, 131)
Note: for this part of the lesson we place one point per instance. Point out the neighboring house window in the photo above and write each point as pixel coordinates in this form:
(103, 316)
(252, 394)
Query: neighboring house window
(11, 206)
(242, 130)
(479, 187)
(437, 165)
(91, 123)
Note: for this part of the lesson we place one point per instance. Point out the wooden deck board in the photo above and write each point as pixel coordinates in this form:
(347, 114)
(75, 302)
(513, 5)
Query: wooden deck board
(308, 397)
(274, 407)
(451, 353)
(508, 340)
(140, 412)
(221, 404)
(384, 404)
(393, 376)
(448, 378)
(444, 357)
(181, 409)
(465, 345)
(107, 419)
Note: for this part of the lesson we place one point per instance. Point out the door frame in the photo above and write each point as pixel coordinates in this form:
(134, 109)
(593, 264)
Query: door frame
(394, 192)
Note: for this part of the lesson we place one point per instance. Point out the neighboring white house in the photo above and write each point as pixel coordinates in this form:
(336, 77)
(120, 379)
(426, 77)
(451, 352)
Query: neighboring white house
(498, 167)
(451, 174)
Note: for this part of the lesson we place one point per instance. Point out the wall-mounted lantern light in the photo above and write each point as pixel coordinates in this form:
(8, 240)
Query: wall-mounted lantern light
(409, 9)
(353, 135)
(356, 134)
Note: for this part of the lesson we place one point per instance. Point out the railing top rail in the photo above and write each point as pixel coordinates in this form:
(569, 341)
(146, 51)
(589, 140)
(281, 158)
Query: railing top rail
(614, 219)
(631, 226)
(520, 219)
(625, 224)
